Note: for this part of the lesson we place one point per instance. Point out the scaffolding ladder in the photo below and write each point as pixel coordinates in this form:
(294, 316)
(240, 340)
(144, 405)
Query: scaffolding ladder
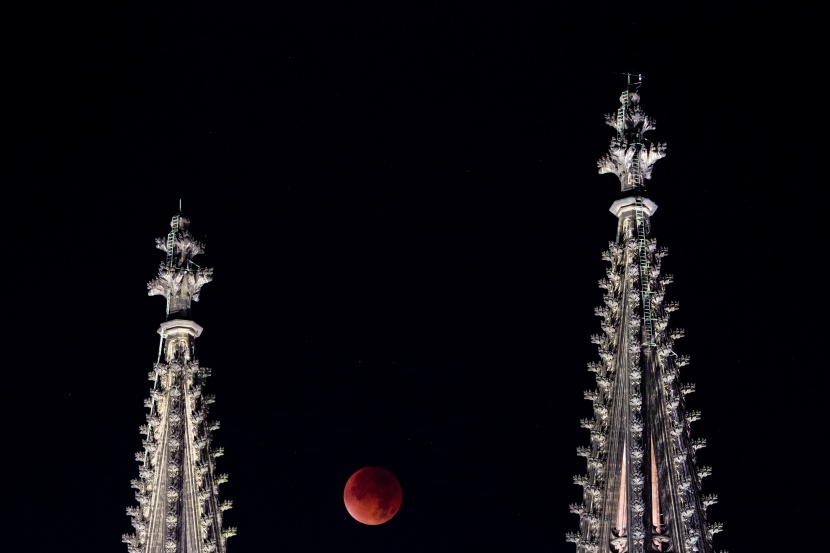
(171, 239)
(642, 245)
(635, 179)
(621, 115)
(169, 247)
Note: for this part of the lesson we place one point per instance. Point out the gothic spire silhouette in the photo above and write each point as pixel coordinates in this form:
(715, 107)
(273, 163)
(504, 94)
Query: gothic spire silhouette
(178, 507)
(642, 490)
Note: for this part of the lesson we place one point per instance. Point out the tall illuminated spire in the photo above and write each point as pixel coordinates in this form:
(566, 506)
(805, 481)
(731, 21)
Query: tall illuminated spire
(177, 490)
(642, 491)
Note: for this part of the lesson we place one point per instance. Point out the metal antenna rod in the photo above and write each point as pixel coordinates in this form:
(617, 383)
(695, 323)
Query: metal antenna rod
(629, 75)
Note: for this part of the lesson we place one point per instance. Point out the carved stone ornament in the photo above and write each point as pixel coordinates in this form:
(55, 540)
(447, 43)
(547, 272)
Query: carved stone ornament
(641, 491)
(185, 247)
(171, 517)
(631, 156)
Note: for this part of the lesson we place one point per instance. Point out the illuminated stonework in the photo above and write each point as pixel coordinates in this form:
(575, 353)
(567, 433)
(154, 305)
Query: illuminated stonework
(177, 490)
(642, 491)
(631, 156)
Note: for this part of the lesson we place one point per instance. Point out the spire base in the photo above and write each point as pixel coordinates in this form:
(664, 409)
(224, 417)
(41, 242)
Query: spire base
(625, 206)
(180, 326)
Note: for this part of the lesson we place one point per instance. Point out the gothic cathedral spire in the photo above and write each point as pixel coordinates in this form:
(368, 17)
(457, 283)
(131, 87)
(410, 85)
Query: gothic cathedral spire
(642, 491)
(177, 490)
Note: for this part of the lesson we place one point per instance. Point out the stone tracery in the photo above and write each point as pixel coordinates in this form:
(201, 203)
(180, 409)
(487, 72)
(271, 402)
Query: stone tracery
(178, 510)
(642, 487)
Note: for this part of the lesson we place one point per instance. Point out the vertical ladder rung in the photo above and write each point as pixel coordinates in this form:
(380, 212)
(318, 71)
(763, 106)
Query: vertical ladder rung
(171, 237)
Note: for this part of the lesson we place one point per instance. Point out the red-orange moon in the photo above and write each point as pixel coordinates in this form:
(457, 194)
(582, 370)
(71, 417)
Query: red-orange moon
(372, 495)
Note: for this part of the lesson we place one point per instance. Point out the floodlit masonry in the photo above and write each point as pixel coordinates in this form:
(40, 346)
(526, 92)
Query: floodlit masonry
(178, 490)
(642, 491)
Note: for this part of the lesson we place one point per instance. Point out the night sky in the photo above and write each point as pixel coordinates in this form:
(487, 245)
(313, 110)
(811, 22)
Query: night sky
(403, 211)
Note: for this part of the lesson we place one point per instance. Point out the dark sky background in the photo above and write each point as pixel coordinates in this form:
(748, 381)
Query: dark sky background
(402, 208)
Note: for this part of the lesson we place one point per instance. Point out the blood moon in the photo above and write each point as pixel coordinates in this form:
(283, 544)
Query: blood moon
(372, 495)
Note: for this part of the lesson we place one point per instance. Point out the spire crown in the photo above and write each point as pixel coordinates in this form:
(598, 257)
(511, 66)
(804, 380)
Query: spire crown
(630, 155)
(180, 280)
(179, 244)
